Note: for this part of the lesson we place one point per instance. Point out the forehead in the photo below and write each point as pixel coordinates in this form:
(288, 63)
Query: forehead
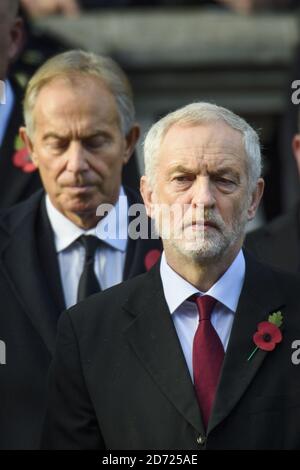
(208, 144)
(83, 98)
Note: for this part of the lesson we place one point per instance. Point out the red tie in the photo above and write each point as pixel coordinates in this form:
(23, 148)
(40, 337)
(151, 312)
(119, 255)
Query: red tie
(208, 355)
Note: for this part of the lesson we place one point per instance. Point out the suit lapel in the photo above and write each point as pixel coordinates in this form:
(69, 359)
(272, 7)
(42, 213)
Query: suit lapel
(260, 296)
(153, 337)
(21, 266)
(48, 259)
(132, 255)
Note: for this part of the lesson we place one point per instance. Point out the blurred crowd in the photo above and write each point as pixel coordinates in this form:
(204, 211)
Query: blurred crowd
(73, 7)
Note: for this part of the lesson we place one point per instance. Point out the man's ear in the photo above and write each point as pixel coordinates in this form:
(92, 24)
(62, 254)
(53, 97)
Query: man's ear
(17, 39)
(131, 139)
(28, 144)
(256, 198)
(147, 195)
(296, 150)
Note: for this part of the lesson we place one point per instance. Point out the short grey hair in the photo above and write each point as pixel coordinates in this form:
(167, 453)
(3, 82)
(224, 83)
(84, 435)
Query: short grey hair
(83, 64)
(199, 113)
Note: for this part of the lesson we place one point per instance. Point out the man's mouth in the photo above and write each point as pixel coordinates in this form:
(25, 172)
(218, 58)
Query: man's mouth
(208, 223)
(203, 224)
(78, 187)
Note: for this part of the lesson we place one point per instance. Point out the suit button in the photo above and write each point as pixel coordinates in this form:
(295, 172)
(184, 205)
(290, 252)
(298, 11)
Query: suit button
(201, 440)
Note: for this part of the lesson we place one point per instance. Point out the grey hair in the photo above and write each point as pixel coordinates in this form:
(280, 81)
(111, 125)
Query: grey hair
(84, 64)
(199, 113)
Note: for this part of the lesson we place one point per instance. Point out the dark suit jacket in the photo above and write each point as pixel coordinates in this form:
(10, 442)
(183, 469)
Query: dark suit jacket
(119, 378)
(278, 243)
(31, 301)
(16, 184)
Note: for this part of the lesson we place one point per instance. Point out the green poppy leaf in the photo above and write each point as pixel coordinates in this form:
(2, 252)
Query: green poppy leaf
(276, 318)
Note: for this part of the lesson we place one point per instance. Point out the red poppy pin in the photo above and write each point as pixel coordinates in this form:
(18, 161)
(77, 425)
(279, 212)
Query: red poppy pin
(151, 258)
(21, 159)
(268, 334)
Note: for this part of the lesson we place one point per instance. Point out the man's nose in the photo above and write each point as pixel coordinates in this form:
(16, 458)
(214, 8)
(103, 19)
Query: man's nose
(77, 158)
(202, 192)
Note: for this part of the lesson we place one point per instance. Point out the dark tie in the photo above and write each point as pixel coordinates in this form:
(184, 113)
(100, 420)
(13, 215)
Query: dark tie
(208, 355)
(88, 282)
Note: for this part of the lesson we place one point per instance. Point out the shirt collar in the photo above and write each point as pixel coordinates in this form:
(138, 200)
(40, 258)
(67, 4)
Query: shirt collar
(107, 229)
(226, 290)
(6, 109)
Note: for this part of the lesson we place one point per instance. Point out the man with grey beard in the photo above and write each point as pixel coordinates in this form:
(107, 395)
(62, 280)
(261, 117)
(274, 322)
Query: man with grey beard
(197, 353)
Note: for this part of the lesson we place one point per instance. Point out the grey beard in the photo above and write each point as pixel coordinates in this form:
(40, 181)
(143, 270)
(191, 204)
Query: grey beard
(212, 247)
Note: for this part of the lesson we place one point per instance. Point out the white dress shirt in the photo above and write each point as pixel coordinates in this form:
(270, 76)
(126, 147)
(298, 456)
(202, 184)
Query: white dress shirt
(185, 316)
(109, 258)
(5, 110)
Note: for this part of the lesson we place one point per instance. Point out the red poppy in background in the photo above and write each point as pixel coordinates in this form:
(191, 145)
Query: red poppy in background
(151, 258)
(22, 160)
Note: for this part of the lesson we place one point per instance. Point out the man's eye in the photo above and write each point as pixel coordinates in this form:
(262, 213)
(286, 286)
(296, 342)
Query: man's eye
(58, 145)
(96, 142)
(225, 182)
(182, 178)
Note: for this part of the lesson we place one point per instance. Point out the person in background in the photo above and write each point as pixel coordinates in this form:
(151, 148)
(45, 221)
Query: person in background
(278, 243)
(251, 6)
(38, 8)
(18, 178)
(27, 49)
(56, 248)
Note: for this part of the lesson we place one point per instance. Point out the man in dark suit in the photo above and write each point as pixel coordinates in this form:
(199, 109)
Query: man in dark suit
(278, 243)
(170, 359)
(18, 177)
(57, 247)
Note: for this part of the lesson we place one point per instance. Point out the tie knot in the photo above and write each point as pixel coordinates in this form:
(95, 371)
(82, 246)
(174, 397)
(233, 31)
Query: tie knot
(90, 243)
(205, 305)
